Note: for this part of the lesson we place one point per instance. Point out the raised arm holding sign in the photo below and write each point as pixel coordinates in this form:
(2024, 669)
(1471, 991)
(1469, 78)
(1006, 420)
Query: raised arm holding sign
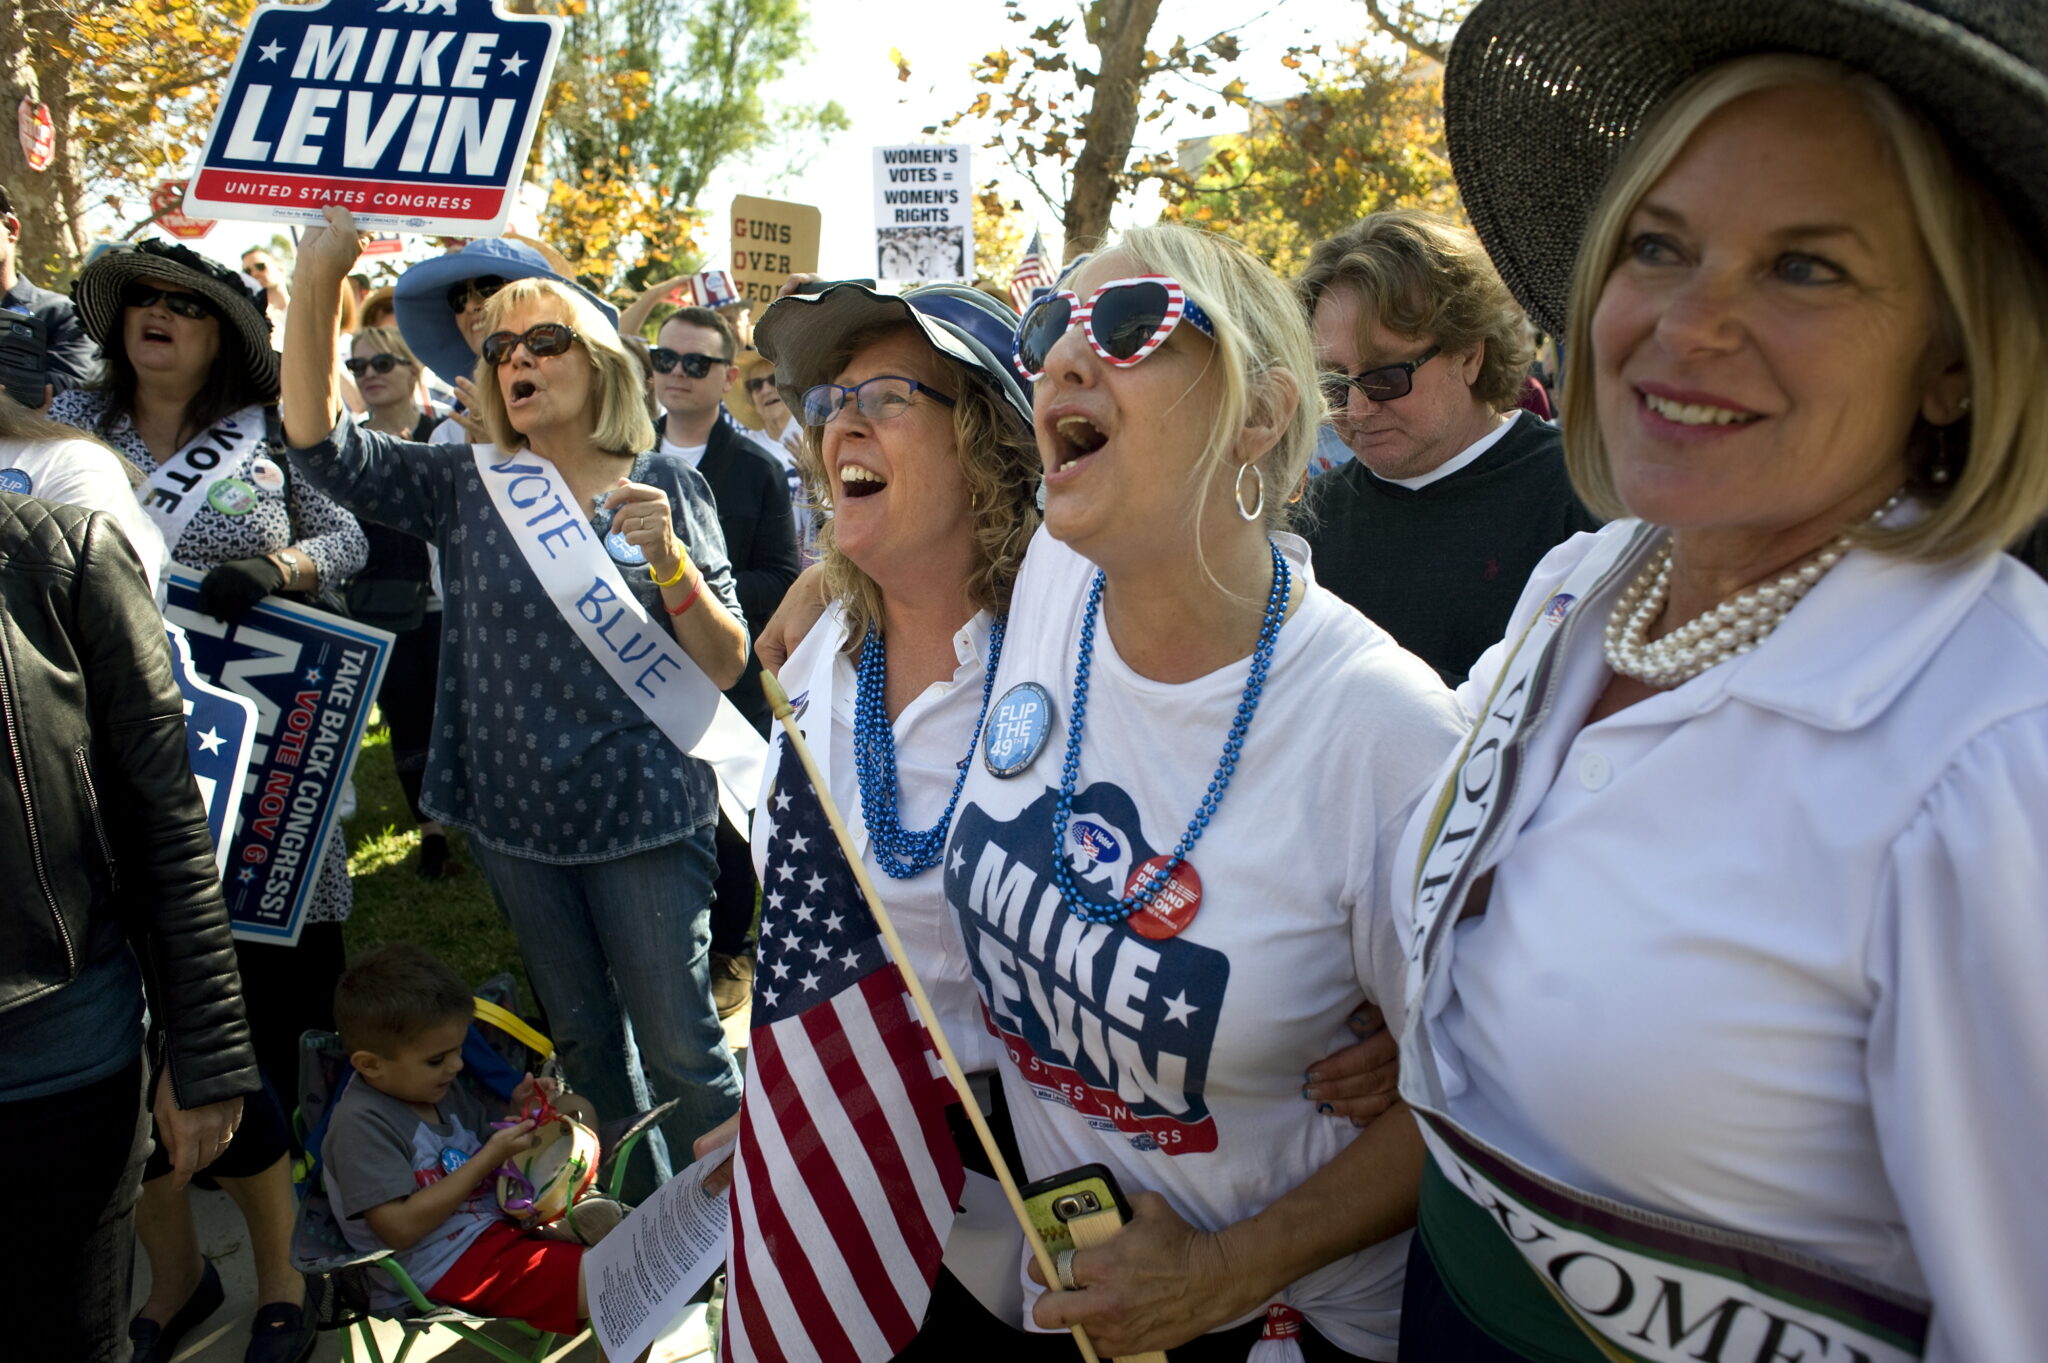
(590, 623)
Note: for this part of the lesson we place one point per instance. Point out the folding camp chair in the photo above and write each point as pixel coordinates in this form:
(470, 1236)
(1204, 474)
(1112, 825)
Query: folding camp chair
(500, 1048)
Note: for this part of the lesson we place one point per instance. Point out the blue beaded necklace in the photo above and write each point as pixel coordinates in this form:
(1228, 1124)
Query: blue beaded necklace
(1226, 766)
(900, 852)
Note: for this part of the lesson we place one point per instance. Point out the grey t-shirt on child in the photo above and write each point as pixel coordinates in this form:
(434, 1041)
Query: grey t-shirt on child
(378, 1150)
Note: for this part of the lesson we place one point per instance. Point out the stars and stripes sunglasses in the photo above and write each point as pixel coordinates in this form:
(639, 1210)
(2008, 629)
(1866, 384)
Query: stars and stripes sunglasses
(1125, 320)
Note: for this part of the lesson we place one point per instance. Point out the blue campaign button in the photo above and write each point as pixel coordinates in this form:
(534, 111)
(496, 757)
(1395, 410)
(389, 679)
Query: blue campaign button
(622, 552)
(16, 480)
(1017, 729)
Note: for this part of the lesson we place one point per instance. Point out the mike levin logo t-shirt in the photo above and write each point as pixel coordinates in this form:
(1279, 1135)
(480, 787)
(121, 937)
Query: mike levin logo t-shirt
(1176, 1058)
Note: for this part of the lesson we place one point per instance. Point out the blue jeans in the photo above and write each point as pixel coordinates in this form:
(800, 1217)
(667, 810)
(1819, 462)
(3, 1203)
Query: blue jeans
(619, 952)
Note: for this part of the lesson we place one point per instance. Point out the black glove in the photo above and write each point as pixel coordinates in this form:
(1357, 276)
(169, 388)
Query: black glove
(233, 587)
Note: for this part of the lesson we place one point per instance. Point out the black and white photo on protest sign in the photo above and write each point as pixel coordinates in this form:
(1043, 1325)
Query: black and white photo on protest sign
(924, 213)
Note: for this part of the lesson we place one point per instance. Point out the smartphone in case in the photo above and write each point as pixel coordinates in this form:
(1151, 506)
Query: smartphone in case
(24, 357)
(1067, 1196)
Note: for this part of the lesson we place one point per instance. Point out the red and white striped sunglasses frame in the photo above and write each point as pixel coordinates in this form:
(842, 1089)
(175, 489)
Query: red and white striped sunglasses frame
(1179, 307)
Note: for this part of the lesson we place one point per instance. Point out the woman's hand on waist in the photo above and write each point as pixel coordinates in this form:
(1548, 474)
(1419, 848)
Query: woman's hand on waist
(1155, 1284)
(1360, 1081)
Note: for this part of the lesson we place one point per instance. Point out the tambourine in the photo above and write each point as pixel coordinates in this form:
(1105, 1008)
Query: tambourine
(539, 1185)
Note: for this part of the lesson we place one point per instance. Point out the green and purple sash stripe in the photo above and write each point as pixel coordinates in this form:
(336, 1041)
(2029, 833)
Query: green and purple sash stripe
(1644, 1287)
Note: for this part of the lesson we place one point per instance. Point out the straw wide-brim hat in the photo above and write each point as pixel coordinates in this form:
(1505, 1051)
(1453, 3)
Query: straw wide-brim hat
(739, 400)
(245, 323)
(1541, 99)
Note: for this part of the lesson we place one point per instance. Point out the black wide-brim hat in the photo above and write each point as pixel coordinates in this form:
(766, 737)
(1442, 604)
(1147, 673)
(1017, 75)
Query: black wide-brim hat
(1541, 98)
(244, 322)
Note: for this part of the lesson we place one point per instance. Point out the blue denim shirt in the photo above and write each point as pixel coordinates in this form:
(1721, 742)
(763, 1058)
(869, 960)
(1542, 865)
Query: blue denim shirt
(536, 751)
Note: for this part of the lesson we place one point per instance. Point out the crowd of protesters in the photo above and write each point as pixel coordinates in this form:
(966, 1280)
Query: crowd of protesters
(1559, 880)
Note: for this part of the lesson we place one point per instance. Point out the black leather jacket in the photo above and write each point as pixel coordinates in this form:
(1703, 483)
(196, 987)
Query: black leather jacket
(102, 833)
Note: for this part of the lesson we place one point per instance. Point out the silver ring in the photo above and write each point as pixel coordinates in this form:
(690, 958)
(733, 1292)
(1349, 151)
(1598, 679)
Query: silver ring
(1063, 1269)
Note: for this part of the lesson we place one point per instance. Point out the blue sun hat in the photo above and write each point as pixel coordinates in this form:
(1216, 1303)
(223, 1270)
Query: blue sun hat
(801, 334)
(432, 329)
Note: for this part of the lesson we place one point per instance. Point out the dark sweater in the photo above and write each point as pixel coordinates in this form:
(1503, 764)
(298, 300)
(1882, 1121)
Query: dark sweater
(1440, 567)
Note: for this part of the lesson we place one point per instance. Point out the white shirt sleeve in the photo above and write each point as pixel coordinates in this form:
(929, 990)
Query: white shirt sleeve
(1958, 1051)
(85, 473)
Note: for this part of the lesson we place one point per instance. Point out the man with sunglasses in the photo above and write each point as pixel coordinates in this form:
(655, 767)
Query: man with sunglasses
(1451, 497)
(71, 360)
(693, 367)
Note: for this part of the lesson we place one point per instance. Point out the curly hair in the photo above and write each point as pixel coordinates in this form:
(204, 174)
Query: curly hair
(999, 459)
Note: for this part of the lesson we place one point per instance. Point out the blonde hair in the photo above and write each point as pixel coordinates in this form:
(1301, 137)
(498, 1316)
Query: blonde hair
(618, 422)
(998, 458)
(1420, 274)
(1260, 335)
(1994, 294)
(386, 341)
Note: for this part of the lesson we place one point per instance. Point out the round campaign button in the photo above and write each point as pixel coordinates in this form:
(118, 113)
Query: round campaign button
(1173, 908)
(231, 497)
(16, 480)
(623, 550)
(1016, 730)
(266, 474)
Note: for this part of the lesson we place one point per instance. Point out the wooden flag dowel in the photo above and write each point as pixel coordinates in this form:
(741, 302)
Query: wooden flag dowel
(778, 701)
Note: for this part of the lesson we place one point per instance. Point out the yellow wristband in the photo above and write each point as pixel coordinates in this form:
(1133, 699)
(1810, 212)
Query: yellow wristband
(682, 566)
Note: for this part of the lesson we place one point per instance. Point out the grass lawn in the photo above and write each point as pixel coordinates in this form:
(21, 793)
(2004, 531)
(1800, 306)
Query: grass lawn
(454, 918)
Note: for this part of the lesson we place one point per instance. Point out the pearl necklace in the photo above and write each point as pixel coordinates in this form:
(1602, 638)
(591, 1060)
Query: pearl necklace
(1733, 628)
(1226, 765)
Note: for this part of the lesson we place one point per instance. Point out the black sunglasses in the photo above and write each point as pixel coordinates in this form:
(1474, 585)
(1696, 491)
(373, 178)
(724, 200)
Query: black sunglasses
(695, 366)
(483, 286)
(755, 385)
(382, 363)
(141, 295)
(548, 338)
(1388, 382)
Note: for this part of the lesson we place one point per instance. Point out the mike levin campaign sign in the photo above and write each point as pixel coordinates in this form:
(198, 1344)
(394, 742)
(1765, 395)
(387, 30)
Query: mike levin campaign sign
(416, 114)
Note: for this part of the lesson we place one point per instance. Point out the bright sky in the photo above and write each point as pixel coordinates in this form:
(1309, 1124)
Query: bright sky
(942, 41)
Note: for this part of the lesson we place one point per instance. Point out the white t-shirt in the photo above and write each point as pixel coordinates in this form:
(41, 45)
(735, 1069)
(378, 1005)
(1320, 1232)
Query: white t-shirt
(931, 738)
(1767, 950)
(1178, 1063)
(692, 455)
(86, 473)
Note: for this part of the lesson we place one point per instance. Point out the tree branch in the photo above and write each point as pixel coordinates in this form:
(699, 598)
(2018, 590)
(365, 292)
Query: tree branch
(1400, 33)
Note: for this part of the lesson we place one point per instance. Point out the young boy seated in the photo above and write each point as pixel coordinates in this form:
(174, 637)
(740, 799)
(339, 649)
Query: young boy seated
(411, 1154)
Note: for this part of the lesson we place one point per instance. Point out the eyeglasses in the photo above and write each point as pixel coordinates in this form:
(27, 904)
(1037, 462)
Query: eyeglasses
(483, 286)
(548, 338)
(695, 366)
(138, 294)
(1125, 320)
(879, 399)
(755, 385)
(1388, 382)
(382, 363)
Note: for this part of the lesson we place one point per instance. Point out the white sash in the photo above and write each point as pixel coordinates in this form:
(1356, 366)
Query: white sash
(639, 652)
(177, 490)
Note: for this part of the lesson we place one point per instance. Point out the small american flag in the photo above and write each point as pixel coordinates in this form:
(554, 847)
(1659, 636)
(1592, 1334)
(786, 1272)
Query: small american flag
(846, 1177)
(1031, 274)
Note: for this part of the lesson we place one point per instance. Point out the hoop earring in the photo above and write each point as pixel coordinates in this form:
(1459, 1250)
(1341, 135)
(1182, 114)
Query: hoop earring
(1237, 493)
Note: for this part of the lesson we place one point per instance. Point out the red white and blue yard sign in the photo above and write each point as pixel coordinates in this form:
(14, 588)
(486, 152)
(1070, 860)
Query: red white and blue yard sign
(416, 114)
